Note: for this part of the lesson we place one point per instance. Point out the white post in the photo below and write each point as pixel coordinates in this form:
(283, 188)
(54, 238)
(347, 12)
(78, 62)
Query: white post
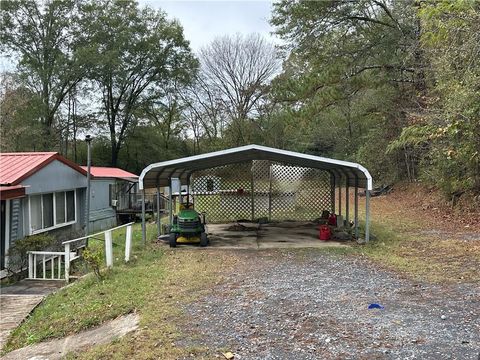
(59, 267)
(67, 262)
(355, 208)
(347, 201)
(52, 265)
(170, 202)
(159, 225)
(44, 268)
(144, 226)
(30, 266)
(128, 243)
(108, 248)
(367, 215)
(340, 196)
(34, 266)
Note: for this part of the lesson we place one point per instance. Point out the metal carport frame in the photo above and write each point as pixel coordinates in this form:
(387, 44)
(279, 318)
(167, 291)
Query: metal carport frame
(353, 174)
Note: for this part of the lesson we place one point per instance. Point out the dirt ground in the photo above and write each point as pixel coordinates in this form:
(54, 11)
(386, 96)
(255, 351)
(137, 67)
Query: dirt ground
(433, 239)
(308, 304)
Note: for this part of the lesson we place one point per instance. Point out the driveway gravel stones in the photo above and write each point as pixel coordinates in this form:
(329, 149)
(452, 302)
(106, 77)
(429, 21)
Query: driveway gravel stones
(309, 304)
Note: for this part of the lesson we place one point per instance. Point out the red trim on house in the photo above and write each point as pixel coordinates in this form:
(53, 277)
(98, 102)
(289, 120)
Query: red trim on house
(12, 192)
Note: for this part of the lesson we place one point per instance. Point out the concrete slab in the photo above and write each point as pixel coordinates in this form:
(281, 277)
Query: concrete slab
(13, 309)
(288, 234)
(18, 300)
(58, 349)
(32, 287)
(222, 236)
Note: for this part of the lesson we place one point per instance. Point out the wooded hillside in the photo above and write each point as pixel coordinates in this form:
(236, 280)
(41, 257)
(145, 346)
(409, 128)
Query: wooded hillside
(394, 85)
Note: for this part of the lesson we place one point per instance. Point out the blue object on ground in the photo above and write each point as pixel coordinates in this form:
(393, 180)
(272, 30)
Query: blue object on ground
(375, 306)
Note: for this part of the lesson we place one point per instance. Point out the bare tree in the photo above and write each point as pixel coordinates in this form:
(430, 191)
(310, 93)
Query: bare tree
(205, 109)
(239, 68)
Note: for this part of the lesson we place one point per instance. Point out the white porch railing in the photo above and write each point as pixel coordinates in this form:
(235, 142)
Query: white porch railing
(52, 258)
(51, 261)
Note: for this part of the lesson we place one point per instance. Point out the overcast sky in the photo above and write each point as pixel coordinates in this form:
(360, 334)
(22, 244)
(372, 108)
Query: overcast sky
(204, 20)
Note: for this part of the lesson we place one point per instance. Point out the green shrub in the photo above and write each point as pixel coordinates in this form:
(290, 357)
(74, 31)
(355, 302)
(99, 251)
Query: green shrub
(18, 252)
(94, 259)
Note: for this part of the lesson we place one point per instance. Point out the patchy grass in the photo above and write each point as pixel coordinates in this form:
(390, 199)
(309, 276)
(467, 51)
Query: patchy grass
(190, 274)
(152, 284)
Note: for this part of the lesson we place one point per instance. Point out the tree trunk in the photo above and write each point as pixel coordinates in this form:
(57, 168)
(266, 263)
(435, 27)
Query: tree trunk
(115, 150)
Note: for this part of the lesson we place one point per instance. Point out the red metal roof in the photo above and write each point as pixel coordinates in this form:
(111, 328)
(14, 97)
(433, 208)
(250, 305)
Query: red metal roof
(15, 167)
(110, 172)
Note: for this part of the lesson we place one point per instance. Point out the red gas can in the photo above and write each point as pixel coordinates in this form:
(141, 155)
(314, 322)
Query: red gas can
(332, 220)
(325, 233)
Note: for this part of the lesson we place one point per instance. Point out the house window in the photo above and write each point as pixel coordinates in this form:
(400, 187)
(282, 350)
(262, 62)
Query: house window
(70, 201)
(47, 207)
(48, 211)
(36, 212)
(60, 207)
(210, 185)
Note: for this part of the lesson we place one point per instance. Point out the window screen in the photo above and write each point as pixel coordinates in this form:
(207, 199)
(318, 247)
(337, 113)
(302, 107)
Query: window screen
(47, 210)
(36, 212)
(70, 195)
(60, 207)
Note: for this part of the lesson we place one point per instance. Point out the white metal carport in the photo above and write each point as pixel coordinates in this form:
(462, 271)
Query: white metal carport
(343, 173)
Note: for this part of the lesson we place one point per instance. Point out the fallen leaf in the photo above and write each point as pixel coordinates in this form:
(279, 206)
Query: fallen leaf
(228, 355)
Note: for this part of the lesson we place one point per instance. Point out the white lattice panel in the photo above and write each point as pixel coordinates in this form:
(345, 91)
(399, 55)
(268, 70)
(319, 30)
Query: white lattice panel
(280, 192)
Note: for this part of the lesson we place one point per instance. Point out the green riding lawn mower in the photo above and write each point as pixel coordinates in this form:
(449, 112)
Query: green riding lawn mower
(188, 227)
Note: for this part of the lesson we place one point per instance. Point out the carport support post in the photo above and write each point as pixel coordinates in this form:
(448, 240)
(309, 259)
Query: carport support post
(144, 228)
(170, 202)
(332, 192)
(340, 196)
(367, 215)
(355, 208)
(189, 180)
(158, 212)
(270, 192)
(347, 201)
(252, 197)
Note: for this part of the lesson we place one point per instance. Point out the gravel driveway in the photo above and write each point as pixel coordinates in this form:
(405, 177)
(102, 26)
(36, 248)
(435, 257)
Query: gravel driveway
(301, 304)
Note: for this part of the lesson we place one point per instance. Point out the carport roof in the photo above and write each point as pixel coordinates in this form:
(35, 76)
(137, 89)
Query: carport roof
(158, 174)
